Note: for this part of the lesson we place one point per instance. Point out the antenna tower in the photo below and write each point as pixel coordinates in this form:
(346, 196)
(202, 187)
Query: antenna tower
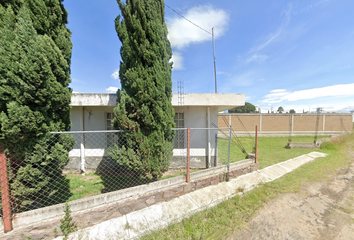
(180, 86)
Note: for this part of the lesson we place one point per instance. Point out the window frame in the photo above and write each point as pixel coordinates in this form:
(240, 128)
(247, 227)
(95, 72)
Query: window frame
(109, 139)
(179, 120)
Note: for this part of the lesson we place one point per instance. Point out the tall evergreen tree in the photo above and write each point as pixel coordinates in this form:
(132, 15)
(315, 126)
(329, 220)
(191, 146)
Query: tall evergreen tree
(144, 101)
(35, 52)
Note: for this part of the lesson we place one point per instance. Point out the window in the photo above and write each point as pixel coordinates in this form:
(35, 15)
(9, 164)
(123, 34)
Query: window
(109, 118)
(179, 120)
(179, 138)
(111, 138)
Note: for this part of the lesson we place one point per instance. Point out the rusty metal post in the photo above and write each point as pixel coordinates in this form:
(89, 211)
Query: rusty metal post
(229, 155)
(256, 147)
(188, 152)
(5, 193)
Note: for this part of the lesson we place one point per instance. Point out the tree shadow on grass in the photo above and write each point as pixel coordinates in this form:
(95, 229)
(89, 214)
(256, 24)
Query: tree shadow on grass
(116, 177)
(61, 192)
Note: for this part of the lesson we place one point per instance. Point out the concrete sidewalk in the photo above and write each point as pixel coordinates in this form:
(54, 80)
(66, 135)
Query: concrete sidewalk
(135, 224)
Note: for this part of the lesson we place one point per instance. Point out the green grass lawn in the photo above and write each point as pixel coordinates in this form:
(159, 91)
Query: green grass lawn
(232, 215)
(271, 151)
(82, 186)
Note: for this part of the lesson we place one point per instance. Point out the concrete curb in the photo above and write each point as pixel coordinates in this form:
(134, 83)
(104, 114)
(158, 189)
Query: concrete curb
(134, 224)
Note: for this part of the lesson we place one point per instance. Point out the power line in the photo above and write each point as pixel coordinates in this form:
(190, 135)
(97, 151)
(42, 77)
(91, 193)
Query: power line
(188, 19)
(211, 33)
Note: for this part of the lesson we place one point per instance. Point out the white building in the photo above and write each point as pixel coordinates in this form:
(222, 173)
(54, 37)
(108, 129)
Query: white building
(94, 112)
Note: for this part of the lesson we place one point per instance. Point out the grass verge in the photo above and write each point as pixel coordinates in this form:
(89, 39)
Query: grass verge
(224, 219)
(271, 150)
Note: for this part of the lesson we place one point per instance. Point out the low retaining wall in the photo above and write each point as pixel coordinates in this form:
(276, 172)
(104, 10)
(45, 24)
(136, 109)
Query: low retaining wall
(40, 223)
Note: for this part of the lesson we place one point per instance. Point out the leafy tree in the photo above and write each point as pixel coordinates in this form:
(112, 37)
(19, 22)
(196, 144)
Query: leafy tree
(35, 52)
(280, 109)
(292, 111)
(144, 101)
(248, 108)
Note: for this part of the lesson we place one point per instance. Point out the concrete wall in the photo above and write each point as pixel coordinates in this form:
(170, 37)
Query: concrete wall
(221, 101)
(89, 118)
(283, 124)
(202, 141)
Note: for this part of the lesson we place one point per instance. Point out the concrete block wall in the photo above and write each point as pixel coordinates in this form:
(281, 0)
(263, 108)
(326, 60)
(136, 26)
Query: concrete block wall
(283, 124)
(307, 123)
(335, 123)
(275, 123)
(246, 121)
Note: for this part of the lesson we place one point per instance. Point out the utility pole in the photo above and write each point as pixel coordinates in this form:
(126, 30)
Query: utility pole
(216, 87)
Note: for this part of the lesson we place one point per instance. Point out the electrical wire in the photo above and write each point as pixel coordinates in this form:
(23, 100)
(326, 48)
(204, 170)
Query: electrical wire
(238, 141)
(188, 19)
(244, 127)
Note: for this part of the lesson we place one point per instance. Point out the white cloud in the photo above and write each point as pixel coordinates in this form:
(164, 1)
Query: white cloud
(279, 95)
(112, 89)
(260, 58)
(177, 60)
(75, 92)
(182, 33)
(115, 75)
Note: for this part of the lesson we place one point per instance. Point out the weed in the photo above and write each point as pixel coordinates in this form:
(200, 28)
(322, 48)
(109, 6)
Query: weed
(67, 225)
(55, 232)
(328, 146)
(240, 190)
(127, 226)
(345, 209)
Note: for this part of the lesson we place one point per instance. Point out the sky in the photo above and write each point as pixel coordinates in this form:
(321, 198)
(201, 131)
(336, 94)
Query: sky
(294, 54)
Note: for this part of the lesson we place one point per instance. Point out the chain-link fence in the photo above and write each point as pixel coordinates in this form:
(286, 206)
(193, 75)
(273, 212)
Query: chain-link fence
(72, 165)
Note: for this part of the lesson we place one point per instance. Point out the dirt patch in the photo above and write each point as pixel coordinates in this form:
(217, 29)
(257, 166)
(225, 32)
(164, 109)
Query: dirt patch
(321, 210)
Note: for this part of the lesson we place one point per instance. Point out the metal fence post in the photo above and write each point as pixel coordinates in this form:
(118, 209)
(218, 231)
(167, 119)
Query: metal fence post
(228, 161)
(5, 193)
(216, 150)
(82, 156)
(256, 147)
(188, 152)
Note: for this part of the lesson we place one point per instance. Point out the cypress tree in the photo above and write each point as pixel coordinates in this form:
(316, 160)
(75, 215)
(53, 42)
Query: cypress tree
(35, 52)
(144, 100)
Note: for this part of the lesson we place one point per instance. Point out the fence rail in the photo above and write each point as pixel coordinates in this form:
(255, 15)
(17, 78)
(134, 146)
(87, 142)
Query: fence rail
(79, 164)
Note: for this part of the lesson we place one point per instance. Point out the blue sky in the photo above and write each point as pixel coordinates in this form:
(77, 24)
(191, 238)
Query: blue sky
(294, 54)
